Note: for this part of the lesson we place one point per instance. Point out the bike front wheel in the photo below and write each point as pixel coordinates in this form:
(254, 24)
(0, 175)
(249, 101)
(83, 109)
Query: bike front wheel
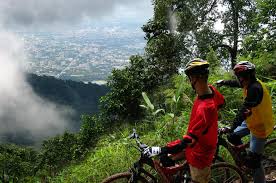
(124, 177)
(225, 172)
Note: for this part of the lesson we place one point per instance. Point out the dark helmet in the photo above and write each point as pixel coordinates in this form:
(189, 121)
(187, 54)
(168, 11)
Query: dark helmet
(244, 68)
(197, 67)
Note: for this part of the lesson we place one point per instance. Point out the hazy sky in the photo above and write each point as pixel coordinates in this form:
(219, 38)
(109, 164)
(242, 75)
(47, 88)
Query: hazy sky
(37, 13)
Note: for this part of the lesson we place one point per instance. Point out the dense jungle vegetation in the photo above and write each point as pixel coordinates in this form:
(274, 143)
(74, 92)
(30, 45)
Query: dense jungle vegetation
(179, 31)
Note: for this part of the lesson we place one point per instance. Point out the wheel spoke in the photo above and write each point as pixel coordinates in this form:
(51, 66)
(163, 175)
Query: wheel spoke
(225, 173)
(269, 161)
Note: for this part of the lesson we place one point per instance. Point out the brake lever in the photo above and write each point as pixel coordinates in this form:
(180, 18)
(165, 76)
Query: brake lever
(134, 135)
(143, 146)
(224, 130)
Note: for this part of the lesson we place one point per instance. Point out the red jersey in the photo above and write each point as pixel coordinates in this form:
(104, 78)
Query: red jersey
(203, 126)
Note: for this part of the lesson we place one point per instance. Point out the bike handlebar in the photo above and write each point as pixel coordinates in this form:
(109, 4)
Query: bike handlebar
(224, 130)
(135, 136)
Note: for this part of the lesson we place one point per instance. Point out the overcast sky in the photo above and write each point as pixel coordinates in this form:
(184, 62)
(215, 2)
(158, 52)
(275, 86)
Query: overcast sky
(37, 13)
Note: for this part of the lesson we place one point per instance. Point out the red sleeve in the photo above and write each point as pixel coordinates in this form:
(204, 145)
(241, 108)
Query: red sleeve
(173, 143)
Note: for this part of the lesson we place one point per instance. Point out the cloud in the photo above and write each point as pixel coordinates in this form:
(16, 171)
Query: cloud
(31, 12)
(21, 110)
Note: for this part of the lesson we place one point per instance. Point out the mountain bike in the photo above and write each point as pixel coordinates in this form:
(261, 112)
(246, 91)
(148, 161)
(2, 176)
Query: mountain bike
(149, 170)
(237, 154)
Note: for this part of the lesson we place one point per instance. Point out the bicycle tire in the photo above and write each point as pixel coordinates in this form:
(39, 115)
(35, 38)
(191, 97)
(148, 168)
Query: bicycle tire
(270, 148)
(150, 173)
(224, 153)
(123, 177)
(229, 172)
(269, 160)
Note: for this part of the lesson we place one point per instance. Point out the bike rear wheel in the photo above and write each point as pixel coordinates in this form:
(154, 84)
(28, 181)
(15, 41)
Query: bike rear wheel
(269, 160)
(124, 177)
(226, 173)
(270, 149)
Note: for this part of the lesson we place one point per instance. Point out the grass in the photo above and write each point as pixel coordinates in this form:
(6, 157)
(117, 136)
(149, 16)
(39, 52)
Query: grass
(114, 152)
(108, 159)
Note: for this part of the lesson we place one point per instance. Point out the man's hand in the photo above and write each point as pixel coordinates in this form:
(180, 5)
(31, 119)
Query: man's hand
(189, 140)
(219, 83)
(247, 113)
(225, 130)
(152, 151)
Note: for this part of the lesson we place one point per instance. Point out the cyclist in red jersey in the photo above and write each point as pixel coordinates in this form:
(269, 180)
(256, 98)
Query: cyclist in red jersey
(201, 138)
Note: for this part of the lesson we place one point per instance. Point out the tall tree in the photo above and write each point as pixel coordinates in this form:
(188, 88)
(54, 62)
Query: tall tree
(237, 20)
(196, 22)
(260, 46)
(263, 39)
(163, 49)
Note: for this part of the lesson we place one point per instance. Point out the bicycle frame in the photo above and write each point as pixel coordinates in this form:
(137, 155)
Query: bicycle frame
(177, 173)
(167, 174)
(235, 151)
(137, 168)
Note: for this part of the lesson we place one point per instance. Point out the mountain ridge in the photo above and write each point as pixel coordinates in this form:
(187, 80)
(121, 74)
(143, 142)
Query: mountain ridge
(82, 97)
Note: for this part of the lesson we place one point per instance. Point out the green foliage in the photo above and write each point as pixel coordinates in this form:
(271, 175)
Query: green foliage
(179, 95)
(57, 152)
(272, 89)
(112, 158)
(213, 59)
(163, 54)
(17, 164)
(267, 13)
(260, 46)
(114, 153)
(26, 165)
(83, 98)
(126, 86)
(91, 129)
(149, 106)
(153, 73)
(265, 63)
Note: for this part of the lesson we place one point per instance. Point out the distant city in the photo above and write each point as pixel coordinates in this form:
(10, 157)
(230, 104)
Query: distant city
(86, 54)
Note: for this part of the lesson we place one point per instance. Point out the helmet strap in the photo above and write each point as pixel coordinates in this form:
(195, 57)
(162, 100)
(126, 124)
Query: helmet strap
(243, 81)
(192, 83)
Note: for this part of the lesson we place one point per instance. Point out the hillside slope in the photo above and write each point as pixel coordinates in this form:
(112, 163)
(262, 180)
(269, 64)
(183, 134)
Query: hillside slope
(82, 98)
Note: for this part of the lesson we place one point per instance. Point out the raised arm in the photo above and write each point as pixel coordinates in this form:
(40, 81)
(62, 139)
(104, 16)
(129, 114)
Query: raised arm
(230, 83)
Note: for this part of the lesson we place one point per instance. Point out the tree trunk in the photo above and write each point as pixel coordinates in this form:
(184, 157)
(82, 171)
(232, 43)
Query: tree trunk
(235, 17)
